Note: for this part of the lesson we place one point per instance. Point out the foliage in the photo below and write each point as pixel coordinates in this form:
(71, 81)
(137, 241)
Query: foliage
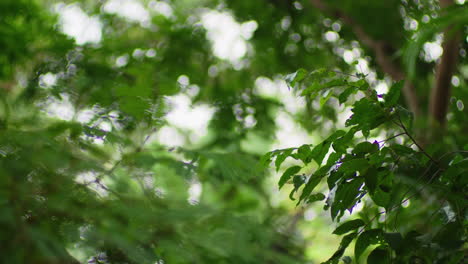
(87, 172)
(380, 174)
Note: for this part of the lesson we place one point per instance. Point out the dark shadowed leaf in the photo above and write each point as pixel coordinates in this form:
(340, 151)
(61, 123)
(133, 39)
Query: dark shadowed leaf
(366, 239)
(348, 226)
(288, 174)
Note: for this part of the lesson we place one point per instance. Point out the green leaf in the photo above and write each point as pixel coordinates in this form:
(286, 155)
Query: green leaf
(345, 241)
(311, 184)
(365, 147)
(371, 179)
(319, 152)
(343, 97)
(402, 150)
(315, 197)
(346, 196)
(342, 143)
(382, 193)
(391, 98)
(333, 178)
(366, 239)
(406, 116)
(281, 156)
(354, 165)
(304, 153)
(395, 240)
(293, 78)
(347, 260)
(288, 174)
(298, 181)
(379, 255)
(378, 158)
(324, 99)
(266, 159)
(367, 115)
(348, 226)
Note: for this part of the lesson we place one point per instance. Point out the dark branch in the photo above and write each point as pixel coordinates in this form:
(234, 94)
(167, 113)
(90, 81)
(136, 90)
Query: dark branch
(440, 93)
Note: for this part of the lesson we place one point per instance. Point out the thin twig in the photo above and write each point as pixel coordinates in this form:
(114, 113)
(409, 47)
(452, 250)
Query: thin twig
(392, 137)
(415, 142)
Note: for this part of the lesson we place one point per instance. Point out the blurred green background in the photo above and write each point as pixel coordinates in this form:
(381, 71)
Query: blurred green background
(131, 131)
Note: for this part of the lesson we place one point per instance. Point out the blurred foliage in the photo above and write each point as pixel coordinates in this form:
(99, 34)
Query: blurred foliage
(86, 175)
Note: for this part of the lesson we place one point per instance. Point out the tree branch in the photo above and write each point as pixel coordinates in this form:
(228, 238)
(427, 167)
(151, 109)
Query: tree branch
(380, 49)
(440, 94)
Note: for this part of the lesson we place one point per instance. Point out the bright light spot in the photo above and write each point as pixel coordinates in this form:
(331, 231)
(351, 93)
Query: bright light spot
(77, 24)
(183, 80)
(183, 115)
(285, 23)
(121, 61)
(289, 134)
(138, 54)
(362, 66)
(455, 81)
(336, 27)
(228, 36)
(151, 53)
(460, 2)
(195, 191)
(297, 5)
(460, 105)
(331, 36)
(90, 180)
(248, 28)
(411, 24)
(132, 10)
(426, 18)
(105, 126)
(295, 37)
(170, 136)
(278, 89)
(250, 121)
(381, 88)
(382, 218)
(62, 109)
(86, 115)
(356, 52)
(213, 71)
(265, 87)
(161, 8)
(47, 80)
(358, 207)
(348, 56)
(310, 214)
(406, 203)
(432, 51)
(192, 90)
